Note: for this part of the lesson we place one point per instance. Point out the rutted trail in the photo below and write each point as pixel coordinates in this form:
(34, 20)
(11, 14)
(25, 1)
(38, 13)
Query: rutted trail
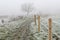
(22, 31)
(16, 30)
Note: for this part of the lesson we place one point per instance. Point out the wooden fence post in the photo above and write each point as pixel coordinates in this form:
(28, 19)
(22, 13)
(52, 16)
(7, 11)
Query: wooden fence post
(35, 19)
(38, 23)
(50, 29)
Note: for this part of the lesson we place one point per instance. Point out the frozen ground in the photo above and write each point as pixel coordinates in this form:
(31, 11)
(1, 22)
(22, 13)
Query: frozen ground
(24, 29)
(43, 34)
(6, 31)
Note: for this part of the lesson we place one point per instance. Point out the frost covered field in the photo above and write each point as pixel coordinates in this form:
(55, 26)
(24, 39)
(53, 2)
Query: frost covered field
(29, 19)
(43, 34)
(25, 29)
(8, 30)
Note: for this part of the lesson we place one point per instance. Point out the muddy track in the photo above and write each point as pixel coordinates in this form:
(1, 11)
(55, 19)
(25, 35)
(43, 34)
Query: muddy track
(22, 32)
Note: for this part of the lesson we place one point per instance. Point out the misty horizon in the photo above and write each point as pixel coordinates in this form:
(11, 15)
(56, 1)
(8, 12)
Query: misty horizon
(13, 7)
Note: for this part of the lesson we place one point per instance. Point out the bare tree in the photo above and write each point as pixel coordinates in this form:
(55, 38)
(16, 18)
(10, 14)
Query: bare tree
(27, 7)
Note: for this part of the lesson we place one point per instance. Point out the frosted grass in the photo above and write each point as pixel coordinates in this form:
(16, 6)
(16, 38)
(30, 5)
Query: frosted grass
(44, 28)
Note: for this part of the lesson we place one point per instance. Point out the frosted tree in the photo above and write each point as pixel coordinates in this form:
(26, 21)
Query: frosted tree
(27, 7)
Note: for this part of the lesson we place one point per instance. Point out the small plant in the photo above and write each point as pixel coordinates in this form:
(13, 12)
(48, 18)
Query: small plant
(2, 39)
(44, 38)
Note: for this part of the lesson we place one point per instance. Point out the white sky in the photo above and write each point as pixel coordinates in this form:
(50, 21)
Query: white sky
(12, 7)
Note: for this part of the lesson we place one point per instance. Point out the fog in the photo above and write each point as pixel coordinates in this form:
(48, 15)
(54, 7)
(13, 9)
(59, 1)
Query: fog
(13, 7)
